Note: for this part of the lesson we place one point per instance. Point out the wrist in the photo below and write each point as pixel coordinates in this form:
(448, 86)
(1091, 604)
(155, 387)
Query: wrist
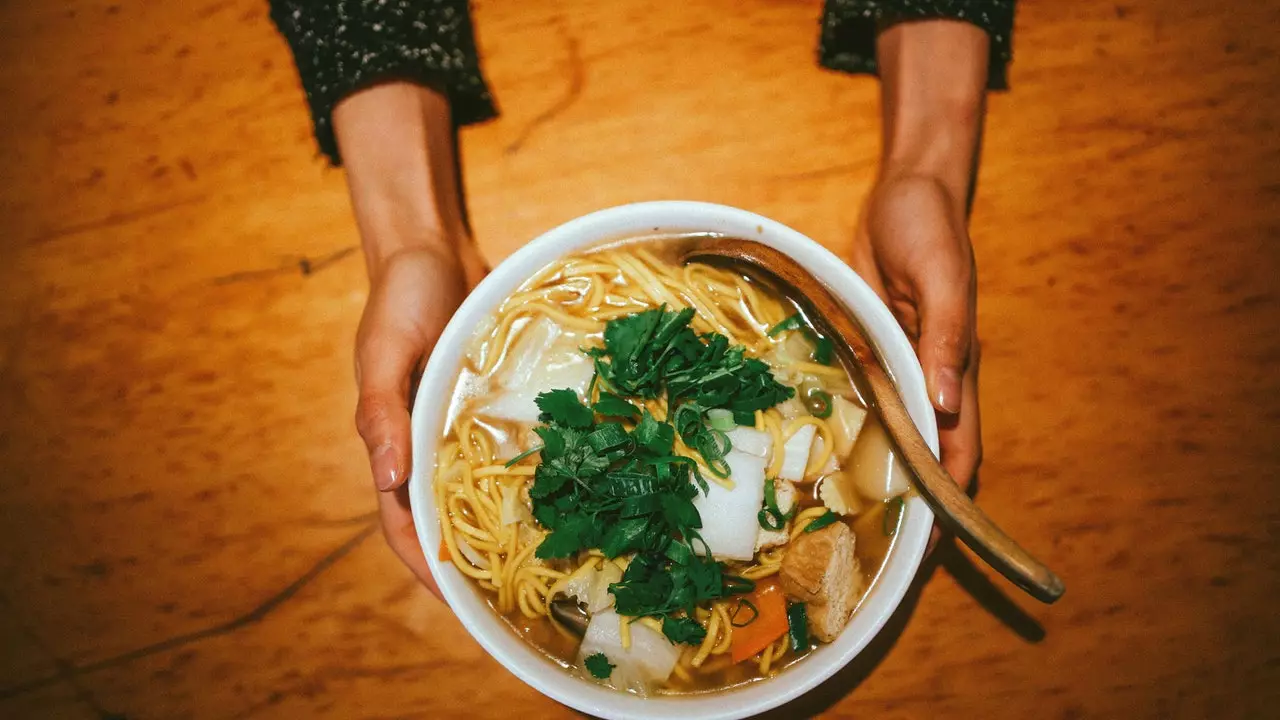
(933, 82)
(397, 146)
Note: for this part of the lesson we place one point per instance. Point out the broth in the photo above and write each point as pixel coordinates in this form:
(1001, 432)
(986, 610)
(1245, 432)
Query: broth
(535, 343)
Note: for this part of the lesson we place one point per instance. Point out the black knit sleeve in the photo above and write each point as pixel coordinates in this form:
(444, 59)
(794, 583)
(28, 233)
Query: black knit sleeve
(340, 46)
(849, 28)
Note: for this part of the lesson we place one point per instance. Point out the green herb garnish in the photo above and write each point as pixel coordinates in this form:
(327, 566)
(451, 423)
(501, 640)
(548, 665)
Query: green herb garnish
(823, 349)
(654, 351)
(625, 491)
(563, 407)
(772, 517)
(523, 455)
(792, 322)
(721, 419)
(821, 521)
(818, 403)
(798, 627)
(894, 506)
(683, 630)
(611, 405)
(599, 665)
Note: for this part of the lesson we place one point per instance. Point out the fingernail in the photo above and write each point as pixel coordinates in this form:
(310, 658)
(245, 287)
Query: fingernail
(948, 389)
(386, 467)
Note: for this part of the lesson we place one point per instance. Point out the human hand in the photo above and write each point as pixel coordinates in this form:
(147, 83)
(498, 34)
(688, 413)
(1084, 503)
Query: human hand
(413, 294)
(913, 248)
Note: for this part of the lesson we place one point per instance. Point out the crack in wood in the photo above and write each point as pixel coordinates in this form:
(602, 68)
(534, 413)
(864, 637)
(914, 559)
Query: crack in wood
(71, 672)
(304, 265)
(113, 220)
(577, 80)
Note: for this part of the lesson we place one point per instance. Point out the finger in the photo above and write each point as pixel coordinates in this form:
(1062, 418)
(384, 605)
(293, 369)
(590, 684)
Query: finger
(946, 315)
(384, 364)
(402, 536)
(960, 436)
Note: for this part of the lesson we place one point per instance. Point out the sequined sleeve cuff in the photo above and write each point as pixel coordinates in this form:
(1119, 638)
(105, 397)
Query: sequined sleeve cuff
(340, 46)
(849, 28)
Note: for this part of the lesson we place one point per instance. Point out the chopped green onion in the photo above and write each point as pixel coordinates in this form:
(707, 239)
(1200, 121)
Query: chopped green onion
(894, 506)
(794, 322)
(743, 602)
(821, 521)
(818, 403)
(823, 350)
(771, 517)
(721, 419)
(770, 521)
(798, 627)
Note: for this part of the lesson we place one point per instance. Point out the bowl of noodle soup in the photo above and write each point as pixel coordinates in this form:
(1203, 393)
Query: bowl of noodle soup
(562, 312)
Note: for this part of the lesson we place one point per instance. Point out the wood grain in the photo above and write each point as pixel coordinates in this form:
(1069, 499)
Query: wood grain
(176, 439)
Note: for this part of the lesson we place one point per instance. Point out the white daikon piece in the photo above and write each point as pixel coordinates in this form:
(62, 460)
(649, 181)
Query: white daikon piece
(569, 369)
(751, 441)
(527, 353)
(795, 454)
(820, 447)
(648, 660)
(846, 422)
(729, 524)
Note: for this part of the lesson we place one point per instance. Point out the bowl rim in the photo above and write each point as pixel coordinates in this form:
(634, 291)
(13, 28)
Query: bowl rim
(435, 389)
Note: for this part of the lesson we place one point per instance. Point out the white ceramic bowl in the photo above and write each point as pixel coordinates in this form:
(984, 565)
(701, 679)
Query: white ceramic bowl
(493, 633)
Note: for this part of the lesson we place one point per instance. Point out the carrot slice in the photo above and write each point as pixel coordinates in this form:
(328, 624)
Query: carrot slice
(444, 551)
(769, 624)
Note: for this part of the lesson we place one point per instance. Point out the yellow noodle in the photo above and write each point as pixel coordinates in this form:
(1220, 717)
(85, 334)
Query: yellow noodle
(804, 518)
(708, 642)
(816, 369)
(726, 628)
(824, 430)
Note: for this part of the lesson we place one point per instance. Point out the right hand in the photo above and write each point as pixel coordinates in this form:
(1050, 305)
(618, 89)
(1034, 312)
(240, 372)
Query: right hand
(414, 292)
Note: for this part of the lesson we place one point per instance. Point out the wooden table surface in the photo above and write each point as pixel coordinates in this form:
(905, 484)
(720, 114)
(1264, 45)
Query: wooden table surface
(185, 512)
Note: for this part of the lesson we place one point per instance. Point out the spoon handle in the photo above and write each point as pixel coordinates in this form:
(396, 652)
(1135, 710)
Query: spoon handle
(953, 508)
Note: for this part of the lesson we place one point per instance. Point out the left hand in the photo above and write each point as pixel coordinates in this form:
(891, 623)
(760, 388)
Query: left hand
(913, 248)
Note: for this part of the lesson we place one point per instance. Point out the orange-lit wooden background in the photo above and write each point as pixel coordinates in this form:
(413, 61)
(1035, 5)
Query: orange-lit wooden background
(185, 513)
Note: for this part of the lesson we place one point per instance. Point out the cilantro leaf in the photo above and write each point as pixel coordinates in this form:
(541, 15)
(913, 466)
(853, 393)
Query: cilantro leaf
(611, 405)
(683, 630)
(564, 408)
(599, 666)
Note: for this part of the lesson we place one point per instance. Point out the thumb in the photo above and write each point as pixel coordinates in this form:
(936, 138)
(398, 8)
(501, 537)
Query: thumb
(383, 368)
(946, 329)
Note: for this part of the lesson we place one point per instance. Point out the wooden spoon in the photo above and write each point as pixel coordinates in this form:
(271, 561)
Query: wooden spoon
(953, 508)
